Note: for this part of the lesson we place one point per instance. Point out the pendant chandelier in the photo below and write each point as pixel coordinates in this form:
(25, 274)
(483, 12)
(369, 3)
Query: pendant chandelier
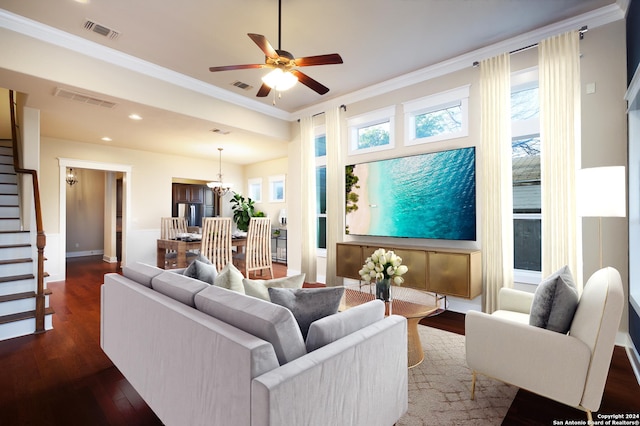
(72, 178)
(217, 186)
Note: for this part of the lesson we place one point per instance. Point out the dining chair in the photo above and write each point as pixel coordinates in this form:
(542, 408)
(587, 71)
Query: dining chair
(170, 228)
(257, 254)
(216, 240)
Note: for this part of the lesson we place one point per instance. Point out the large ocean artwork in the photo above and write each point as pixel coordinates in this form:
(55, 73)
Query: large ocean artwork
(429, 195)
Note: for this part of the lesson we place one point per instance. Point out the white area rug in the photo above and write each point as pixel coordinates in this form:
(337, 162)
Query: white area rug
(440, 387)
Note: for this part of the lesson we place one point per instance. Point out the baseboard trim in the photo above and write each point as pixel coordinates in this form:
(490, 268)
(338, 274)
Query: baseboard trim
(110, 259)
(84, 253)
(634, 359)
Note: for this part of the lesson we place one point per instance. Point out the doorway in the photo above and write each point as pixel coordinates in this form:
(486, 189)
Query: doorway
(113, 223)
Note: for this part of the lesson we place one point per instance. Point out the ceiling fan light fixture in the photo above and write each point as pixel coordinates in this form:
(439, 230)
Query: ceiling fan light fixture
(280, 80)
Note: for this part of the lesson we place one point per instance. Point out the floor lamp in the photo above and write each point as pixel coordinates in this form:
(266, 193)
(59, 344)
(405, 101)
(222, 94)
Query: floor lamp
(601, 193)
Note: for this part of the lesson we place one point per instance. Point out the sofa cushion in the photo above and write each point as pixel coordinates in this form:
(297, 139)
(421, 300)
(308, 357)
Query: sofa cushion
(203, 271)
(178, 287)
(265, 320)
(260, 288)
(141, 273)
(555, 302)
(230, 278)
(308, 304)
(334, 327)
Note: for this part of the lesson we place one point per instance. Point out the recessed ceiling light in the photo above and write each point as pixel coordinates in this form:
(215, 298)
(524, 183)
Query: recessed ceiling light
(107, 139)
(135, 117)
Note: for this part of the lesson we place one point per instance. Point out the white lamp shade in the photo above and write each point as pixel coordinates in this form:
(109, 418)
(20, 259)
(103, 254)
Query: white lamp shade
(280, 80)
(218, 184)
(601, 192)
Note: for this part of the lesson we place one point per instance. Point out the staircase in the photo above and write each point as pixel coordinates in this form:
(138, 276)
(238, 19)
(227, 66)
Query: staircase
(18, 261)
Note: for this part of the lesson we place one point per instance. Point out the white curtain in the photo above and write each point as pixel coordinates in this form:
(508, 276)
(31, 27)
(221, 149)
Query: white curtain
(496, 172)
(559, 62)
(308, 198)
(335, 193)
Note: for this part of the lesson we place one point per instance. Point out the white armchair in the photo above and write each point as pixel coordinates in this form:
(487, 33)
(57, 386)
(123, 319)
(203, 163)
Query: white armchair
(569, 368)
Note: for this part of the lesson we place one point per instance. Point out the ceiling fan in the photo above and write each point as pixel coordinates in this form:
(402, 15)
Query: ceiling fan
(285, 73)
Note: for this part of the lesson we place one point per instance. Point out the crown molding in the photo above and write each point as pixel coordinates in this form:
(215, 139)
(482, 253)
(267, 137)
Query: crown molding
(28, 27)
(50, 35)
(593, 19)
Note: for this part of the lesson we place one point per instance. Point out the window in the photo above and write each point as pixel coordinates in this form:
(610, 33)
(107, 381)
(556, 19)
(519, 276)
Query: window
(276, 189)
(437, 117)
(321, 187)
(255, 189)
(373, 131)
(527, 236)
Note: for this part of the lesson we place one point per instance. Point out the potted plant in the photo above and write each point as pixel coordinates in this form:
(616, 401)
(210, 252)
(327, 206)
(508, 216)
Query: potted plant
(243, 210)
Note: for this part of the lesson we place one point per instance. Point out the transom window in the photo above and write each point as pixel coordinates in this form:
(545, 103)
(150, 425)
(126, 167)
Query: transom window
(373, 131)
(437, 117)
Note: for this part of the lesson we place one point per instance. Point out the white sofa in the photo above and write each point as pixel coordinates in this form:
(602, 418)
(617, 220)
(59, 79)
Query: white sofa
(570, 368)
(192, 368)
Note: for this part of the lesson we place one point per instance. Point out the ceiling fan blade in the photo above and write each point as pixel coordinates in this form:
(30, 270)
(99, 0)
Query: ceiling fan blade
(263, 91)
(237, 67)
(330, 59)
(264, 45)
(309, 82)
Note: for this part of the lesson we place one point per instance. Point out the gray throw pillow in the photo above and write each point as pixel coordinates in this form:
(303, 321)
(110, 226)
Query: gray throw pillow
(308, 304)
(555, 302)
(201, 271)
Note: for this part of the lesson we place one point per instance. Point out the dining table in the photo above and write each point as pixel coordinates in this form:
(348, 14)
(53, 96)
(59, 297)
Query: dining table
(179, 246)
(183, 245)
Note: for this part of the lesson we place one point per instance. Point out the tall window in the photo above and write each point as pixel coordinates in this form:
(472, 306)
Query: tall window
(321, 187)
(525, 111)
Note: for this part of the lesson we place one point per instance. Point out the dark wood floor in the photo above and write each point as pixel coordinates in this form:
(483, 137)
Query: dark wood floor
(62, 377)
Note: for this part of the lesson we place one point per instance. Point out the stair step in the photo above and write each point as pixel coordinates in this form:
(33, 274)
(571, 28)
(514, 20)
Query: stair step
(12, 261)
(15, 237)
(13, 246)
(25, 295)
(16, 278)
(10, 224)
(6, 319)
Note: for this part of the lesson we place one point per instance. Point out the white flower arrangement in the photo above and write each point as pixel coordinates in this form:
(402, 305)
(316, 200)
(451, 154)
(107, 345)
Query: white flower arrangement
(383, 264)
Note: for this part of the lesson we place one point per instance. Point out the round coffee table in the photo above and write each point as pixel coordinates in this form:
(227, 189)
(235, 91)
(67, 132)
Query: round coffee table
(412, 308)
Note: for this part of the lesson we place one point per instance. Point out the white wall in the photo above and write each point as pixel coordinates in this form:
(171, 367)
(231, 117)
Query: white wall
(150, 182)
(603, 142)
(262, 171)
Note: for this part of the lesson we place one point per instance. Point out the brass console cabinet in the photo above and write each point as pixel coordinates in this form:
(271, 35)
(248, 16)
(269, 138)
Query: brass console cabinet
(445, 271)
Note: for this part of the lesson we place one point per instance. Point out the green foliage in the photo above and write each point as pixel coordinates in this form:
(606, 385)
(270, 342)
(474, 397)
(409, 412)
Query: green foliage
(373, 136)
(243, 211)
(438, 122)
(351, 181)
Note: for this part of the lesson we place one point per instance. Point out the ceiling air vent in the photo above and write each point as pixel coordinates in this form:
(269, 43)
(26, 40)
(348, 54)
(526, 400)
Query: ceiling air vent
(101, 29)
(84, 98)
(220, 131)
(241, 85)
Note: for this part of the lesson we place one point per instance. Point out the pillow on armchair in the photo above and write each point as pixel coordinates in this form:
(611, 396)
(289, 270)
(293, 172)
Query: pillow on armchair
(555, 302)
